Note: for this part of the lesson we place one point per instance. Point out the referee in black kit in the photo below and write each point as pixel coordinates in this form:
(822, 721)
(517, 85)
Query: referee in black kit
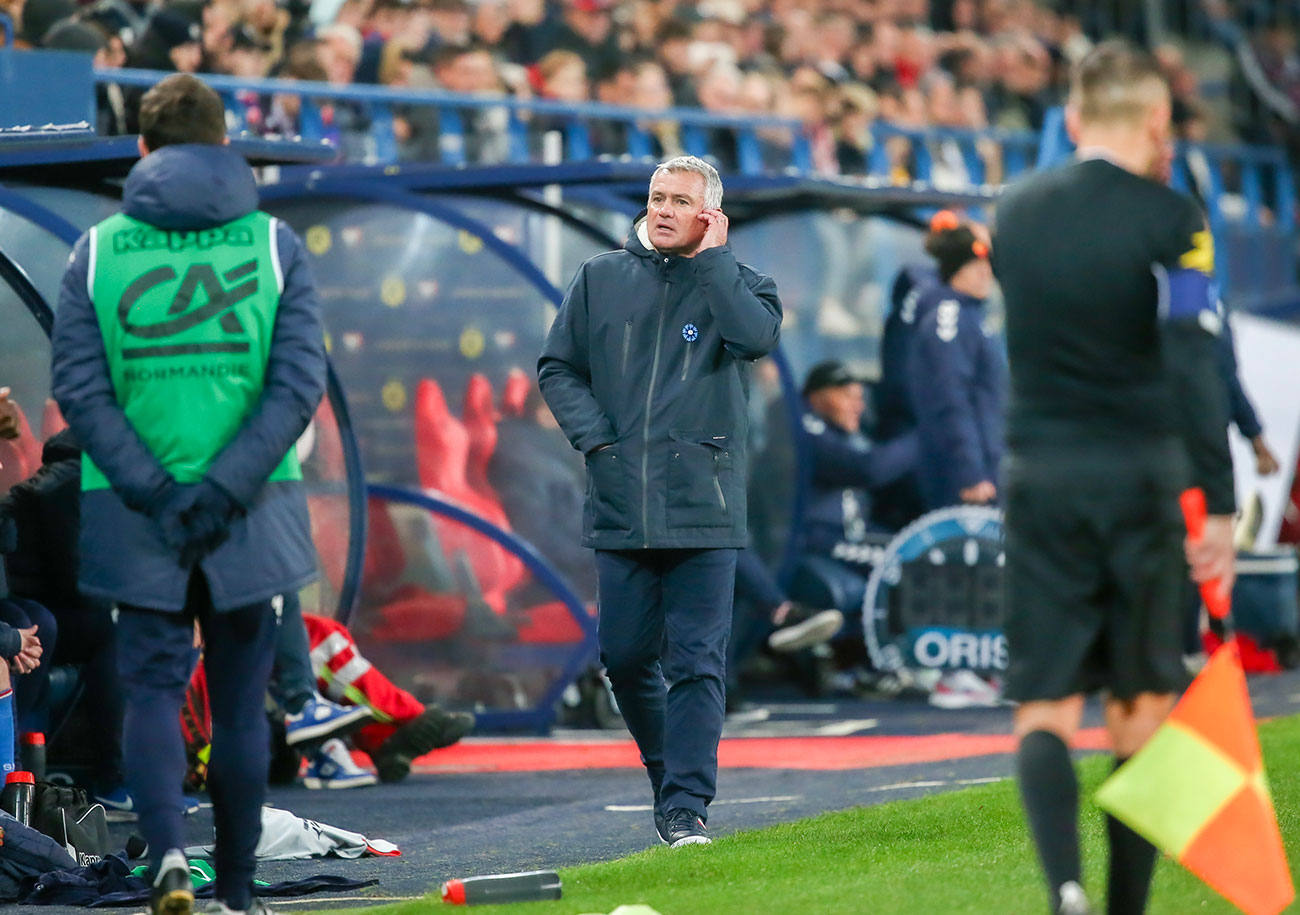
(1116, 406)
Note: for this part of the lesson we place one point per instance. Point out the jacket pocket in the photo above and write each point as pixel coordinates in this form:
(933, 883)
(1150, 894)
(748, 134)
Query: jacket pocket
(699, 478)
(607, 490)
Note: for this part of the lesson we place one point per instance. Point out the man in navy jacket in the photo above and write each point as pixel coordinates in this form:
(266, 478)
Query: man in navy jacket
(646, 369)
(188, 404)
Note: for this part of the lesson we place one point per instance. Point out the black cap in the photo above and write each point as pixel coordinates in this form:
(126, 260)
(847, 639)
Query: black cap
(70, 35)
(171, 29)
(829, 374)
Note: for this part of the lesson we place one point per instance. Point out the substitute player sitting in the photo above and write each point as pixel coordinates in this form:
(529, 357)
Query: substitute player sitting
(1116, 406)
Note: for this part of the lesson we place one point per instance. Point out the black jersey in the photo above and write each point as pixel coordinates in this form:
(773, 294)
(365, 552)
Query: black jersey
(1089, 256)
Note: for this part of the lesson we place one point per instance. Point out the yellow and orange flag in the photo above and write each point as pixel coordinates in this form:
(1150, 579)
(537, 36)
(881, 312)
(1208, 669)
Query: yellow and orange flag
(1197, 789)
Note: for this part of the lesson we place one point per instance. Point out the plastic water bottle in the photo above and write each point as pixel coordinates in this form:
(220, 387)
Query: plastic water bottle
(18, 795)
(494, 888)
(32, 754)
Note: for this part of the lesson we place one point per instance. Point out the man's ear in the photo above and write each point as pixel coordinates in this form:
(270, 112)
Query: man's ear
(140, 144)
(1072, 123)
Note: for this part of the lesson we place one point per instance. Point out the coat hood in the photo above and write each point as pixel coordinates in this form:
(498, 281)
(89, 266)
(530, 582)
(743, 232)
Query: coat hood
(190, 186)
(638, 239)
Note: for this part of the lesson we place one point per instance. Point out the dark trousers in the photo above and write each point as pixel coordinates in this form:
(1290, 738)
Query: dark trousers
(664, 620)
(155, 659)
(757, 596)
(88, 640)
(292, 680)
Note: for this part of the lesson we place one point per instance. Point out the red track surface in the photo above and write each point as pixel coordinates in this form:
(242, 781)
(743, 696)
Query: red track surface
(826, 753)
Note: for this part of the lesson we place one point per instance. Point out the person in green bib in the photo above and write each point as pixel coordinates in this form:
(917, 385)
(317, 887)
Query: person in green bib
(188, 357)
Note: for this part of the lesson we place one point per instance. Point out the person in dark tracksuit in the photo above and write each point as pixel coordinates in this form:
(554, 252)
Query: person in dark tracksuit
(1240, 409)
(899, 503)
(646, 369)
(957, 374)
(192, 506)
(1118, 404)
(838, 540)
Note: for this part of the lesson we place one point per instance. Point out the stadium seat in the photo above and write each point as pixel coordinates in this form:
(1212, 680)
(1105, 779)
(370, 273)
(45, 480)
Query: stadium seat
(52, 421)
(442, 456)
(480, 418)
(514, 394)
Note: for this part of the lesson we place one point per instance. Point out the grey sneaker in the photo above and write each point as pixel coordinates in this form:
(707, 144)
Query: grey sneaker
(686, 828)
(661, 825)
(803, 626)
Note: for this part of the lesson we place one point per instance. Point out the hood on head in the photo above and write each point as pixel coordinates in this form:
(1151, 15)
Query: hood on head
(190, 186)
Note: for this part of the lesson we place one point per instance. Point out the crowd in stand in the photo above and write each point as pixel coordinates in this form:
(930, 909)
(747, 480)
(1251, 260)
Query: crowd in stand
(835, 66)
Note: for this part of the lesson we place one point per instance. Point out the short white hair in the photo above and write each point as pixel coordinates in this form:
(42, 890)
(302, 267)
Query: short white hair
(697, 166)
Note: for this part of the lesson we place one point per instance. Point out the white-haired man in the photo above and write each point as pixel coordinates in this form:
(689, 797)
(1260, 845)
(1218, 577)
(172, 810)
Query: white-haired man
(646, 369)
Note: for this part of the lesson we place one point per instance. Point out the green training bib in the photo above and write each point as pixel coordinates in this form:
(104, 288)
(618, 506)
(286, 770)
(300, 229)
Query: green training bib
(187, 320)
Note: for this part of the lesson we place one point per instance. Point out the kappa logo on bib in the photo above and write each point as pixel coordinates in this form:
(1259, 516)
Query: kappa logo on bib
(180, 316)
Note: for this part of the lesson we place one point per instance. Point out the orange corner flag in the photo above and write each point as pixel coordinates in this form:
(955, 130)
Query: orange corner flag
(1197, 790)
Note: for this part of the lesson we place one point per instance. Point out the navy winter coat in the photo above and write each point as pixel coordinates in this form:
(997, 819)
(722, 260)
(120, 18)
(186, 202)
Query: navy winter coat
(269, 551)
(958, 379)
(847, 470)
(650, 355)
(892, 395)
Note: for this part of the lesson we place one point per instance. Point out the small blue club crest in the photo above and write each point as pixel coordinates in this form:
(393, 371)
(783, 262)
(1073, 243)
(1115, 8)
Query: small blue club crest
(690, 332)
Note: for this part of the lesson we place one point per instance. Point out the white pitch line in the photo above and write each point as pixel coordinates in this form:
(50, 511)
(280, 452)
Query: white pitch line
(646, 808)
(845, 728)
(794, 708)
(939, 784)
(307, 900)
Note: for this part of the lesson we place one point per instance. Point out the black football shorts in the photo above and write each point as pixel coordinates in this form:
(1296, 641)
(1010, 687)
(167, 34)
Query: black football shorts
(1095, 571)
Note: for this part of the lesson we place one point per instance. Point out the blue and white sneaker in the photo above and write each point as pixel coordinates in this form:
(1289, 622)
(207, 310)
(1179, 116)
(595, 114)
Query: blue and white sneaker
(321, 719)
(333, 767)
(119, 805)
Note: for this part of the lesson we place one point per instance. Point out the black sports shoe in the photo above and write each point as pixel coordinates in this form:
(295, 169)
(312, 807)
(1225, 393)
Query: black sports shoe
(172, 892)
(661, 825)
(433, 729)
(685, 828)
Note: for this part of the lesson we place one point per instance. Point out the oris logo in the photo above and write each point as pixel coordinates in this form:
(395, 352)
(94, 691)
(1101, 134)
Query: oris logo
(941, 648)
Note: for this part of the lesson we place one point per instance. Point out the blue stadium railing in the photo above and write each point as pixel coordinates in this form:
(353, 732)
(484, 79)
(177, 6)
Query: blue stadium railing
(378, 104)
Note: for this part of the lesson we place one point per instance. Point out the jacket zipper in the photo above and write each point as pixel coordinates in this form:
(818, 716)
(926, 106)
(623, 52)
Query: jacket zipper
(645, 443)
(627, 345)
(686, 363)
(717, 484)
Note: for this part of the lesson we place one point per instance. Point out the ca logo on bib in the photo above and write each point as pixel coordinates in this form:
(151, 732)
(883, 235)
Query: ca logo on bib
(180, 317)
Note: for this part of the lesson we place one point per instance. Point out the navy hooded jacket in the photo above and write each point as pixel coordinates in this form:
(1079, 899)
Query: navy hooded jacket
(650, 355)
(958, 381)
(269, 551)
(848, 470)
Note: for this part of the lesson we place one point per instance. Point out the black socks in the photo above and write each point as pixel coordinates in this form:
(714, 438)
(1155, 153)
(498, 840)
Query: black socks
(1132, 861)
(1050, 792)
